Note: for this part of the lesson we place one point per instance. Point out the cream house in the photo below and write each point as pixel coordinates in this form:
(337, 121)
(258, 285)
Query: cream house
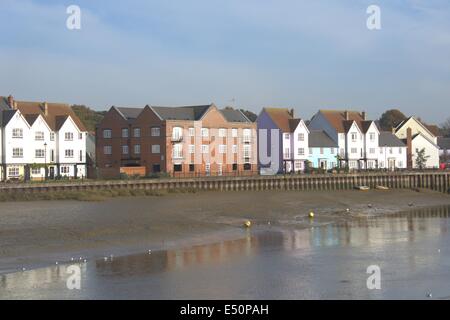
(417, 136)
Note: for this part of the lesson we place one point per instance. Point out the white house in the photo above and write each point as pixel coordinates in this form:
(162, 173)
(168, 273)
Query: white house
(357, 138)
(391, 152)
(293, 145)
(40, 140)
(417, 136)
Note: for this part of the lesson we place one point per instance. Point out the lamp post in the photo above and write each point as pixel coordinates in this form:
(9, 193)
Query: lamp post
(385, 158)
(45, 160)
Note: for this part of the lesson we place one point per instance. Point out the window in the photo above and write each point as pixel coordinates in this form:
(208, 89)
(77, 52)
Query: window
(191, 132)
(301, 137)
(17, 152)
(301, 151)
(235, 166)
(137, 149)
(65, 169)
(310, 150)
(177, 168)
(321, 150)
(246, 151)
(68, 136)
(35, 171)
(137, 132)
(107, 149)
(107, 133)
(372, 150)
(400, 164)
(177, 151)
(125, 133)
(13, 171)
(156, 148)
(81, 155)
(247, 135)
(354, 137)
(354, 150)
(125, 149)
(298, 165)
(80, 136)
(391, 151)
(52, 136)
(372, 136)
(222, 132)
(156, 168)
(247, 166)
(205, 132)
(177, 133)
(52, 155)
(39, 135)
(205, 148)
(69, 153)
(191, 167)
(222, 148)
(39, 153)
(332, 150)
(208, 169)
(155, 131)
(234, 148)
(342, 152)
(191, 148)
(286, 136)
(234, 132)
(219, 169)
(400, 150)
(287, 153)
(17, 133)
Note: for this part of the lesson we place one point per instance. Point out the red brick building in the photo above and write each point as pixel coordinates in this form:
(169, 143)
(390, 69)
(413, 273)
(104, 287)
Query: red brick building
(181, 141)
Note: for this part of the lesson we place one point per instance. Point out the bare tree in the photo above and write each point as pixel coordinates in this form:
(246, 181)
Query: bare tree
(445, 128)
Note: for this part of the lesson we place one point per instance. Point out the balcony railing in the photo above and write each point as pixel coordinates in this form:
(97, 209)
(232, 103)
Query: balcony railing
(177, 155)
(177, 138)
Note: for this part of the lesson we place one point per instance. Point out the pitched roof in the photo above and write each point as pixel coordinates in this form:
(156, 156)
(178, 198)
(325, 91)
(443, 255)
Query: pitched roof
(293, 124)
(389, 139)
(400, 125)
(7, 116)
(54, 113)
(338, 120)
(423, 136)
(282, 118)
(31, 118)
(434, 129)
(129, 113)
(4, 104)
(181, 113)
(233, 115)
(444, 143)
(318, 138)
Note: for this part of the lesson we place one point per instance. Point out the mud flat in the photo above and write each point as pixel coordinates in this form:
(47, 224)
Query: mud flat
(35, 234)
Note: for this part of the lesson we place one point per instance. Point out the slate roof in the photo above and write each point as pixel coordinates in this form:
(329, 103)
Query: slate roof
(318, 138)
(129, 113)
(232, 115)
(444, 143)
(181, 113)
(389, 139)
(7, 115)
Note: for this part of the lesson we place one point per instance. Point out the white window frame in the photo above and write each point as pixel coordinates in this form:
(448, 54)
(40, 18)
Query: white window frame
(156, 148)
(39, 136)
(17, 133)
(155, 131)
(68, 153)
(107, 149)
(68, 136)
(125, 149)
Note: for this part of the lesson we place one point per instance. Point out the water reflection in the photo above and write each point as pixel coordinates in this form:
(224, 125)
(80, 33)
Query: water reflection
(397, 236)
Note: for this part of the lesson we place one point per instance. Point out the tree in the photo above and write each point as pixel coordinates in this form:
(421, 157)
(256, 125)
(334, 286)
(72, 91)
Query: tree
(90, 118)
(390, 119)
(445, 128)
(421, 159)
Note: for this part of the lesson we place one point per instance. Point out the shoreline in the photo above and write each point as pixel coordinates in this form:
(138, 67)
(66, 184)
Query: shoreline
(43, 234)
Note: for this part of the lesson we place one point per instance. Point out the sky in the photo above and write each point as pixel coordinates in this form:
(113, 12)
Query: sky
(306, 55)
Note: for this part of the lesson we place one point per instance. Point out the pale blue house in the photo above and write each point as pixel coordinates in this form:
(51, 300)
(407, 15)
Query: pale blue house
(322, 150)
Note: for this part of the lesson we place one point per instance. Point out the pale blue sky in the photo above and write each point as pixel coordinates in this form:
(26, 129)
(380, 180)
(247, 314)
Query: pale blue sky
(292, 53)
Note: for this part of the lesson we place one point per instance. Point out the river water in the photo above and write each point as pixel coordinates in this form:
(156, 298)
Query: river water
(412, 250)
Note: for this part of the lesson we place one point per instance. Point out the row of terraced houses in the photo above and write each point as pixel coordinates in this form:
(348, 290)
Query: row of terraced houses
(41, 140)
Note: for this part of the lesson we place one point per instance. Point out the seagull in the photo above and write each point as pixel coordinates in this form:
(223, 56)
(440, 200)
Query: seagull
(410, 204)
(149, 251)
(71, 259)
(369, 205)
(23, 269)
(348, 210)
(429, 295)
(105, 258)
(85, 260)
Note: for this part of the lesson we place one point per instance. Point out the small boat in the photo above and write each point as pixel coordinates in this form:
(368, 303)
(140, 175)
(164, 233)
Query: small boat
(382, 188)
(362, 188)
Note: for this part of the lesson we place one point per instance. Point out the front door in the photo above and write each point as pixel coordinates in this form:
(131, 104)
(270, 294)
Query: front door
(323, 164)
(52, 172)
(391, 163)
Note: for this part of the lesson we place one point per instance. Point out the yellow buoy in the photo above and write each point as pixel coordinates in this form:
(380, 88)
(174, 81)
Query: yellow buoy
(311, 214)
(247, 224)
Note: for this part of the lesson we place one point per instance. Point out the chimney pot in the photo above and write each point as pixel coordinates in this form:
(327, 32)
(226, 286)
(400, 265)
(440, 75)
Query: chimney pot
(346, 115)
(14, 106)
(46, 108)
(364, 115)
(291, 112)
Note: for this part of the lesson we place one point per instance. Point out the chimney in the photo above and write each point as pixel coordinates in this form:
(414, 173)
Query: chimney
(364, 115)
(14, 106)
(346, 115)
(393, 130)
(409, 148)
(11, 101)
(45, 108)
(291, 112)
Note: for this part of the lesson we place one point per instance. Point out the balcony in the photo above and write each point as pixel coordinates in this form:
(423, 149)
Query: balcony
(176, 138)
(247, 139)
